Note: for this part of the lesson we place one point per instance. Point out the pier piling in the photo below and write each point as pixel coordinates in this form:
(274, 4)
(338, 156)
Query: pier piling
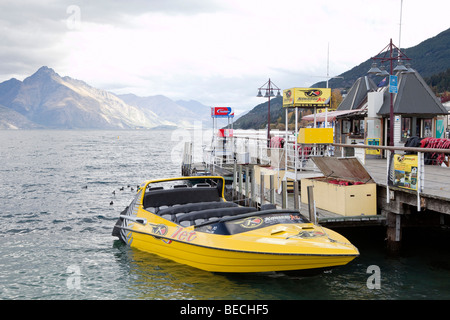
(311, 205)
(393, 232)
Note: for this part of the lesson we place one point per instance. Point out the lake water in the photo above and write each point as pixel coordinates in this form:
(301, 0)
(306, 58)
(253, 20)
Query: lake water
(56, 219)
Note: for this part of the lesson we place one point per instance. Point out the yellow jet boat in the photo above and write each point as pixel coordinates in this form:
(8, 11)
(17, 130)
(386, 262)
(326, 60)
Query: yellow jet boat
(190, 222)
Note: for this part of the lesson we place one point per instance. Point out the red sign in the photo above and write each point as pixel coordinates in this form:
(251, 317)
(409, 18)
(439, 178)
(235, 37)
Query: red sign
(222, 112)
(224, 133)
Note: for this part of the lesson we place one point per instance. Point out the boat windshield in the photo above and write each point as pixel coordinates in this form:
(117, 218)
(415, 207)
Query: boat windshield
(255, 220)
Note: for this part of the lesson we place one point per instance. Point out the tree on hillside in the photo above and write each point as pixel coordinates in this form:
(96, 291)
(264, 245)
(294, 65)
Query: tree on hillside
(336, 98)
(445, 97)
(439, 82)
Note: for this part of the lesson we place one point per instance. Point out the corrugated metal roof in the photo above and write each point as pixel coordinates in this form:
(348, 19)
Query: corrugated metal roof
(414, 97)
(357, 94)
(331, 115)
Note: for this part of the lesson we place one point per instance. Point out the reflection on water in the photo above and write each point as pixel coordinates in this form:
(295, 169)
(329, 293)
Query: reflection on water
(154, 277)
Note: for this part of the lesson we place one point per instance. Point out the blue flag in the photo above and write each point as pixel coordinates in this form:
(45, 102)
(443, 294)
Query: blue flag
(383, 82)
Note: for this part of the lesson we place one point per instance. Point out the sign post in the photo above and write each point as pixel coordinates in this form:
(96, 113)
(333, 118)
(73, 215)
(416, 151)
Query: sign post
(393, 84)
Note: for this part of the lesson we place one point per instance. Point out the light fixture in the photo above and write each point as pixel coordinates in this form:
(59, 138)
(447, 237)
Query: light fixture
(383, 72)
(400, 67)
(409, 69)
(374, 69)
(268, 88)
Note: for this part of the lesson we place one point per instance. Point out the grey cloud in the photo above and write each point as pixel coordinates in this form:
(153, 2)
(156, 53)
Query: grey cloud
(29, 36)
(113, 12)
(31, 31)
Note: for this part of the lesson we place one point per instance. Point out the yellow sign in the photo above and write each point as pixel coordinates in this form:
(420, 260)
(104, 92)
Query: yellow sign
(307, 97)
(405, 171)
(315, 135)
(373, 142)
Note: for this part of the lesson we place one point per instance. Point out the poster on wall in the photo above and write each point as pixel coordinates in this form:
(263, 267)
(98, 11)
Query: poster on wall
(373, 142)
(440, 128)
(403, 171)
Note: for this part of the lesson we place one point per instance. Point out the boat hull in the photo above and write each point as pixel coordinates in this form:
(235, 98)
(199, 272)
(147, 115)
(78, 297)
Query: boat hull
(216, 259)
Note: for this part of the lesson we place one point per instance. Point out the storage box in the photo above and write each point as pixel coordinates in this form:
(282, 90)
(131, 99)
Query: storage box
(267, 172)
(346, 188)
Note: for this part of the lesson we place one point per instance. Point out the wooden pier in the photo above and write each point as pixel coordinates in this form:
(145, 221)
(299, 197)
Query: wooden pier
(397, 208)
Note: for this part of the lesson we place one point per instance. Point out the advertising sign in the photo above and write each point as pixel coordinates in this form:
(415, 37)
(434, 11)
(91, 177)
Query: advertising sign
(393, 84)
(405, 173)
(315, 135)
(307, 97)
(373, 142)
(440, 128)
(222, 112)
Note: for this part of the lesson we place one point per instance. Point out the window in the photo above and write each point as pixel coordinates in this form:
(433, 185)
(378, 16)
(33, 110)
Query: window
(361, 127)
(406, 128)
(346, 125)
(427, 128)
(357, 127)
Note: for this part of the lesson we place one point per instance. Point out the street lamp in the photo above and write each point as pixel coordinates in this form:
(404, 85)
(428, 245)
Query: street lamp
(387, 54)
(268, 87)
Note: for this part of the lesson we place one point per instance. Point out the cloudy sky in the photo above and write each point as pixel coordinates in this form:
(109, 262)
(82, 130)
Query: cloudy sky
(217, 52)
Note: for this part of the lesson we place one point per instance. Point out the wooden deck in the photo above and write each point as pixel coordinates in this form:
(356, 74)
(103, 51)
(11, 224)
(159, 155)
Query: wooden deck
(437, 179)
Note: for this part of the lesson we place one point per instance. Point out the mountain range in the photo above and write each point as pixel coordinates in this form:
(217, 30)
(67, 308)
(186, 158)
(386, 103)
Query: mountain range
(47, 100)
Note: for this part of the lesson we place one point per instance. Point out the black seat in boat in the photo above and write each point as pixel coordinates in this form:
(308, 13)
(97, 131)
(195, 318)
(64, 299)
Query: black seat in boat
(195, 207)
(213, 213)
(170, 197)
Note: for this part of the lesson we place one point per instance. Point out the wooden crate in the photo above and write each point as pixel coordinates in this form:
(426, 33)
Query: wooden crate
(359, 197)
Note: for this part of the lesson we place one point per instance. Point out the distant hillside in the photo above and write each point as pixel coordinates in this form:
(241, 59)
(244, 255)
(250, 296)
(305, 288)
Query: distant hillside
(257, 117)
(182, 114)
(440, 82)
(10, 119)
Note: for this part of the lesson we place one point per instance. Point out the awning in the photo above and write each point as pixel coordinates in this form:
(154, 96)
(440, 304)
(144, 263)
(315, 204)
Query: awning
(331, 115)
